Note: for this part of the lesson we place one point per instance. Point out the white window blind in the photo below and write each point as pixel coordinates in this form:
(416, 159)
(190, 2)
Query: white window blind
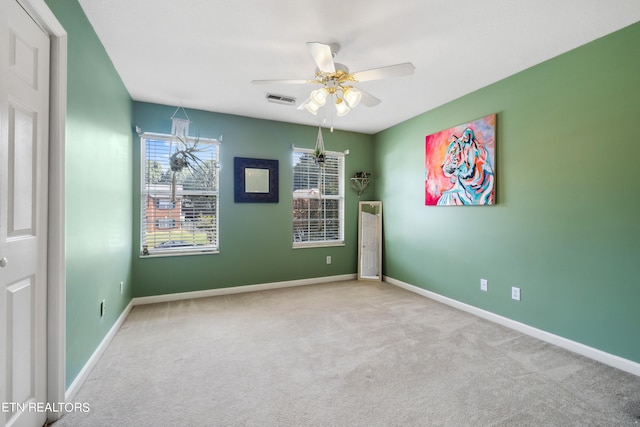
(318, 199)
(179, 208)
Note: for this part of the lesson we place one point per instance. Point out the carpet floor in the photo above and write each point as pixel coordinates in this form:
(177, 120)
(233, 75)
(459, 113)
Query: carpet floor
(341, 354)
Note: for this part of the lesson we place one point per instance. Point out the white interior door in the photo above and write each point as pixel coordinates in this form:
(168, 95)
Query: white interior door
(24, 113)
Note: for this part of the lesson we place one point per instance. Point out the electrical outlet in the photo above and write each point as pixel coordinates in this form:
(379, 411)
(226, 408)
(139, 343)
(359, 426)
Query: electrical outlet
(103, 307)
(328, 259)
(515, 293)
(484, 285)
(121, 288)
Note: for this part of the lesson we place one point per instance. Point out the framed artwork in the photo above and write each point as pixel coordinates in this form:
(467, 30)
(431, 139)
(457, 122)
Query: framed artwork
(255, 180)
(460, 164)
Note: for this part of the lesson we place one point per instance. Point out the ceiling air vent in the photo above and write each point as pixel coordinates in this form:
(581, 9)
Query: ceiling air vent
(281, 99)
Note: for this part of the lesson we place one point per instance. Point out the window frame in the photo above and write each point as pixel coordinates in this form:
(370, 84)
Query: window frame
(340, 197)
(146, 193)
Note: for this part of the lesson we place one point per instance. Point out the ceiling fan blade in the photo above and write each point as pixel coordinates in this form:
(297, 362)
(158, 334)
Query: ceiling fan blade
(368, 99)
(301, 105)
(322, 55)
(397, 70)
(280, 82)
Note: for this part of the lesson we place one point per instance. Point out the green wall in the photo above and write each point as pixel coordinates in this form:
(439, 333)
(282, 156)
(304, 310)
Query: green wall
(98, 189)
(566, 225)
(255, 238)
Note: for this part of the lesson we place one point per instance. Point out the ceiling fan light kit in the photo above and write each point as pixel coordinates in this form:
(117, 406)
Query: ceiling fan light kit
(342, 109)
(345, 99)
(336, 81)
(352, 96)
(312, 107)
(319, 96)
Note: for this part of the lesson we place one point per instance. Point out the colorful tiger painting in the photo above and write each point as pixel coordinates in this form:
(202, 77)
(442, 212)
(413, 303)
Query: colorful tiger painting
(471, 174)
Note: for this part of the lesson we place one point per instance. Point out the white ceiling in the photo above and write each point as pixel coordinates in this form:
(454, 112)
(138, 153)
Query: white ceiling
(203, 54)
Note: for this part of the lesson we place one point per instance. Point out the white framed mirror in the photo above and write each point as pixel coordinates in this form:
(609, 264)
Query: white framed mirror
(370, 240)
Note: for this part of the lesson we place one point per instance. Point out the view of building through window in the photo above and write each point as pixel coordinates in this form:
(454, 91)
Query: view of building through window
(179, 195)
(318, 199)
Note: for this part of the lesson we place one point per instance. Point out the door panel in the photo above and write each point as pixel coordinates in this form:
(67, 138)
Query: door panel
(19, 331)
(21, 158)
(23, 59)
(24, 112)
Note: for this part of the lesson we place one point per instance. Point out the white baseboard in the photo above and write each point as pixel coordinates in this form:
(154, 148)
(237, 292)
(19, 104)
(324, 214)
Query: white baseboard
(239, 289)
(93, 360)
(576, 347)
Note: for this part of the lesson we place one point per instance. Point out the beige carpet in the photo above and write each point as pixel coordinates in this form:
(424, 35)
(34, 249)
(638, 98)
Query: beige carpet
(341, 354)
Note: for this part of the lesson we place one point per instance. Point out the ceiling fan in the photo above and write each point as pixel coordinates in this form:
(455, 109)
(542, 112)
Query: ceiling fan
(337, 82)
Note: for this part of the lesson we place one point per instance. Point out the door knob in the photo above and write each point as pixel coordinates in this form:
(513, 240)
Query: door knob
(3, 262)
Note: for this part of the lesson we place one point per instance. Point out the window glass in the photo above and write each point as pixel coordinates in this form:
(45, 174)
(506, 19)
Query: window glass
(179, 195)
(318, 199)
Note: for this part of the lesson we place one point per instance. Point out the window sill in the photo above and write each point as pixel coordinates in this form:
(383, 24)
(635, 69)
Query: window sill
(317, 245)
(174, 254)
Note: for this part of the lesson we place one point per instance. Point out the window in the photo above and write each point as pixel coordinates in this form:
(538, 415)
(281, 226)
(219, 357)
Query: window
(165, 223)
(179, 195)
(318, 199)
(166, 204)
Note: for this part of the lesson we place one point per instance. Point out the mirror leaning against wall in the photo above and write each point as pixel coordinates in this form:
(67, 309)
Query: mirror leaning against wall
(370, 240)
